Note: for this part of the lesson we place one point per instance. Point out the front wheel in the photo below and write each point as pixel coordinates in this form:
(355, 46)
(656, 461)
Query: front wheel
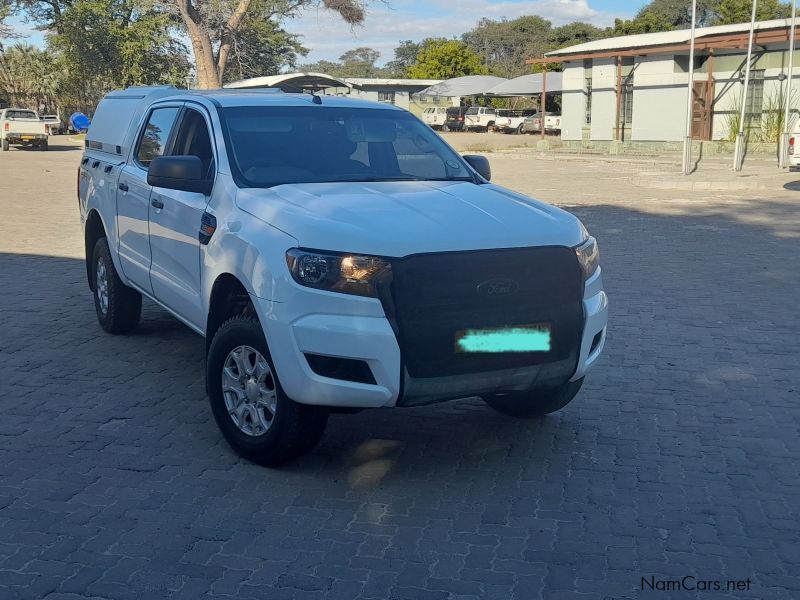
(118, 307)
(6, 145)
(249, 405)
(535, 403)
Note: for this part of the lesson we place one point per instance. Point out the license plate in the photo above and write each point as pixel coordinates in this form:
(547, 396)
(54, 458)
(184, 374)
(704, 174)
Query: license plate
(511, 339)
(27, 137)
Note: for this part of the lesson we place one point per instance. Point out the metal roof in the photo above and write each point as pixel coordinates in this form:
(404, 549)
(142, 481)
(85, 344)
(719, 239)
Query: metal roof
(372, 81)
(469, 85)
(680, 36)
(527, 85)
(291, 82)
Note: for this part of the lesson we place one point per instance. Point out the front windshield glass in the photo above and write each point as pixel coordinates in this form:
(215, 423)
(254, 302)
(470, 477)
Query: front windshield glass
(271, 146)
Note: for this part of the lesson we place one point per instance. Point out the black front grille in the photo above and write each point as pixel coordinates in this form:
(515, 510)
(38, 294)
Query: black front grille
(434, 296)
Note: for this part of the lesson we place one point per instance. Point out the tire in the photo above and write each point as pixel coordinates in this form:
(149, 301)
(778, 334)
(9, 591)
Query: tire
(293, 429)
(43, 146)
(519, 130)
(118, 307)
(535, 403)
(6, 146)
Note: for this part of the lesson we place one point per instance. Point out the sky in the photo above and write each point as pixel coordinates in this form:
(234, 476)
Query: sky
(389, 21)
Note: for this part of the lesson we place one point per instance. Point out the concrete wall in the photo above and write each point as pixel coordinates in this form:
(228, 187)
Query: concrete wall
(659, 100)
(604, 99)
(573, 102)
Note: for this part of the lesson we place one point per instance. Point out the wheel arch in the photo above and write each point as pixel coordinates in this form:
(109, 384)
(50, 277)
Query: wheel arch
(93, 231)
(229, 297)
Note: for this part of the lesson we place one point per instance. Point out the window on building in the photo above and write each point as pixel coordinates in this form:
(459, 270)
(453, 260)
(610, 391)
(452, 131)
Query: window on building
(627, 101)
(588, 119)
(587, 74)
(755, 100)
(386, 97)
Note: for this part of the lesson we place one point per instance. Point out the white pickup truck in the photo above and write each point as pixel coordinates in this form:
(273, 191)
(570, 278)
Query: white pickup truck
(22, 127)
(337, 255)
(510, 121)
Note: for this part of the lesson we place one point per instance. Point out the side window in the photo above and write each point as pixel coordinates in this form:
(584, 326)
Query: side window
(156, 134)
(193, 140)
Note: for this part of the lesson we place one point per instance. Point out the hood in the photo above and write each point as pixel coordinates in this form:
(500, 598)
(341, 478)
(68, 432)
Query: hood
(409, 217)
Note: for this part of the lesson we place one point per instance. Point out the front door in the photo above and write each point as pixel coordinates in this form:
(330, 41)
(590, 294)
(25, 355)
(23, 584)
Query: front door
(701, 110)
(175, 218)
(133, 196)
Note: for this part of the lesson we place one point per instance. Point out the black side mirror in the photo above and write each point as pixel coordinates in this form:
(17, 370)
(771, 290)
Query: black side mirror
(179, 173)
(480, 164)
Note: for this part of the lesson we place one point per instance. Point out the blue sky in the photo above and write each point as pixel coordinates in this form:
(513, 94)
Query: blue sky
(387, 22)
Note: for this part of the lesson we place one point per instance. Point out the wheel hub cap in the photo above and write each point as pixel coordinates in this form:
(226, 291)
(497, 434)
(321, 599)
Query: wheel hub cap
(101, 285)
(248, 387)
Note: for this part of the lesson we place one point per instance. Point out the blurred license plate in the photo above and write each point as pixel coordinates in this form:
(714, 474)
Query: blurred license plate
(517, 338)
(27, 137)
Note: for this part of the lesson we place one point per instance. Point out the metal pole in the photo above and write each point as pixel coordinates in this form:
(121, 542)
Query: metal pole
(787, 132)
(738, 154)
(543, 107)
(687, 140)
(619, 96)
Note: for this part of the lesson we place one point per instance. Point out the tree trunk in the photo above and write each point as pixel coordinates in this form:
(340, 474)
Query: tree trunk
(208, 77)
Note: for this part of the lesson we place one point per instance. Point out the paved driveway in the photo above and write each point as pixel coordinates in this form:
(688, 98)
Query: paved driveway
(679, 458)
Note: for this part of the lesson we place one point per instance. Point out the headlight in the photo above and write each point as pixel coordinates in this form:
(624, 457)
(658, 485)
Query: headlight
(344, 273)
(589, 256)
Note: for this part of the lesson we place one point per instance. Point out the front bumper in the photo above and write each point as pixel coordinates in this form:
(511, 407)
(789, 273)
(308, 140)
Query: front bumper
(353, 327)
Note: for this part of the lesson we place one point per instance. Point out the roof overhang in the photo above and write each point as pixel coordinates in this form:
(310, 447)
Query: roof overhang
(707, 42)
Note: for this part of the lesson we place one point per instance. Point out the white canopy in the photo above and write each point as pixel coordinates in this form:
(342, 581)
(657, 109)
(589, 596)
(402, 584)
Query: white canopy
(527, 85)
(469, 85)
(292, 82)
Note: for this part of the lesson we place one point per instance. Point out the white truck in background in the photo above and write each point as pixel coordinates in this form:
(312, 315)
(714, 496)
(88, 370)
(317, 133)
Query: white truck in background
(22, 127)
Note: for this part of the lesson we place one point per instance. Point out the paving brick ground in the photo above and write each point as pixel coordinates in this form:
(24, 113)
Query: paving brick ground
(680, 456)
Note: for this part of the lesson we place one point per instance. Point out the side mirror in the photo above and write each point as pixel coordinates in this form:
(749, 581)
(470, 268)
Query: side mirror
(479, 163)
(179, 173)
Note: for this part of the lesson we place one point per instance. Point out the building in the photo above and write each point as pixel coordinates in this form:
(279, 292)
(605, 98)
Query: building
(634, 88)
(400, 92)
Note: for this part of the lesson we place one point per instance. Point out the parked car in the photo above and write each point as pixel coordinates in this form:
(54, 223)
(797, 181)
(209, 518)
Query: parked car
(435, 116)
(336, 254)
(480, 118)
(794, 148)
(510, 121)
(22, 127)
(454, 119)
(533, 123)
(53, 124)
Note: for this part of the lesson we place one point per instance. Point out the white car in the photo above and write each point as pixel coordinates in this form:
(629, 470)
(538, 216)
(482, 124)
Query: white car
(53, 124)
(510, 121)
(435, 116)
(479, 118)
(22, 127)
(337, 255)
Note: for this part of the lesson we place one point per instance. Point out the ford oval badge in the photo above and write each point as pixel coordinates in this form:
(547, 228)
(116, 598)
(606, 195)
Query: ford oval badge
(498, 287)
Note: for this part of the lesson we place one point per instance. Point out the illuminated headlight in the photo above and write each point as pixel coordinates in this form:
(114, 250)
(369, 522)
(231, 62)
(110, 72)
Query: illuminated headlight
(344, 273)
(588, 256)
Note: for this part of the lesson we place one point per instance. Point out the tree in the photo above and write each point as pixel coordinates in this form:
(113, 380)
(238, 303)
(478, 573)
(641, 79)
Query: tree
(443, 59)
(739, 11)
(5, 12)
(262, 47)
(649, 23)
(359, 62)
(405, 55)
(504, 45)
(29, 77)
(678, 13)
(213, 27)
(574, 33)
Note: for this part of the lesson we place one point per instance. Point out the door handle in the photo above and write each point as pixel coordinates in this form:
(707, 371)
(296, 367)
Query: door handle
(123, 186)
(156, 203)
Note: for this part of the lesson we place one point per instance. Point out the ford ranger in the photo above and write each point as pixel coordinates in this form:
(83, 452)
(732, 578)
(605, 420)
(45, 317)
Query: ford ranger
(336, 254)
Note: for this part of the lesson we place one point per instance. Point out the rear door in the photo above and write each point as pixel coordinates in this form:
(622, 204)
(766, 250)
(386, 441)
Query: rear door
(175, 218)
(133, 194)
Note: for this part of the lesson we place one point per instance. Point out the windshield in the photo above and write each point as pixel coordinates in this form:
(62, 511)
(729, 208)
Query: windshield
(20, 114)
(270, 146)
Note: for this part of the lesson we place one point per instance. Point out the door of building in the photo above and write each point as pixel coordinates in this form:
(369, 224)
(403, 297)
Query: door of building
(702, 110)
